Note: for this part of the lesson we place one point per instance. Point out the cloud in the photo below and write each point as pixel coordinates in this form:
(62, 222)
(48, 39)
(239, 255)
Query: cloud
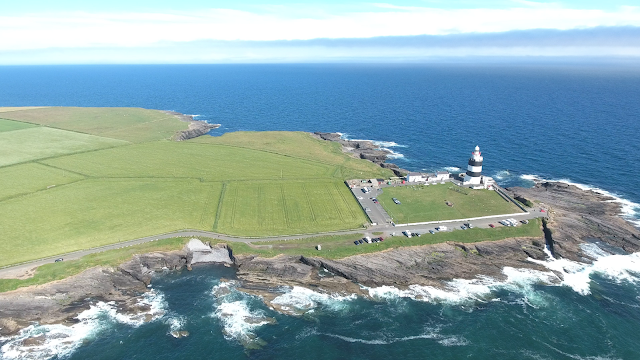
(102, 30)
(601, 42)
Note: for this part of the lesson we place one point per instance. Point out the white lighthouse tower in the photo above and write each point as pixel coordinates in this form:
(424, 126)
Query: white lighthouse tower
(474, 170)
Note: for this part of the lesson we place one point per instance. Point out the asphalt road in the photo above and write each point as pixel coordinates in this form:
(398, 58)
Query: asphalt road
(377, 214)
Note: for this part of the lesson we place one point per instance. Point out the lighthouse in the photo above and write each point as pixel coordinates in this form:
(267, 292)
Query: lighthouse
(474, 170)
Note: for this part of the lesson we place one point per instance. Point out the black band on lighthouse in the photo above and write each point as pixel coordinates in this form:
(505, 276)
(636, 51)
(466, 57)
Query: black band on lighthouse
(474, 174)
(475, 163)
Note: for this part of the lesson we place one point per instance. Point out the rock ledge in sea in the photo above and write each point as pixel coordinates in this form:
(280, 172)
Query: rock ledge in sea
(364, 149)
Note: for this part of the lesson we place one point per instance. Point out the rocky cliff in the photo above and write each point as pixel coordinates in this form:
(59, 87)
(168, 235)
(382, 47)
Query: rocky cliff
(575, 217)
(364, 149)
(61, 301)
(196, 127)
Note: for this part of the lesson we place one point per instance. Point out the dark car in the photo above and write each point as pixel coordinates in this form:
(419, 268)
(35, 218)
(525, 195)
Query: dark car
(463, 227)
(356, 242)
(491, 226)
(432, 232)
(59, 259)
(360, 241)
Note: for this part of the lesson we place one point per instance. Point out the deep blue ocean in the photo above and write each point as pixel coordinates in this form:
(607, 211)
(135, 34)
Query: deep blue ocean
(578, 123)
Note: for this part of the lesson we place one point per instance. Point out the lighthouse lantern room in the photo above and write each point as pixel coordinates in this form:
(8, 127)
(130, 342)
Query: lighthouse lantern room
(474, 170)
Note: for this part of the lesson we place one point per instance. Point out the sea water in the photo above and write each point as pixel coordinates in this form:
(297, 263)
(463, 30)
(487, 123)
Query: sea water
(574, 123)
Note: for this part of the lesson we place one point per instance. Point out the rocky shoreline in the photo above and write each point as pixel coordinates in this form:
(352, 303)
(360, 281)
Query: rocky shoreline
(575, 217)
(196, 127)
(363, 149)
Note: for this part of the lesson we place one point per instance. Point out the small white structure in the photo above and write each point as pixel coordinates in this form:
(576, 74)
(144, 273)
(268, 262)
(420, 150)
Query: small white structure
(442, 176)
(415, 177)
(474, 169)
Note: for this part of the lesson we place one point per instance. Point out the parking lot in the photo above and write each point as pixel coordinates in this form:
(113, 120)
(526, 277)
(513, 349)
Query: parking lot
(383, 222)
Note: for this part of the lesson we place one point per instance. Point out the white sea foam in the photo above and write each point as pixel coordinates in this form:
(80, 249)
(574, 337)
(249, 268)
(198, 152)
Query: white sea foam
(239, 321)
(452, 168)
(383, 145)
(176, 324)
(502, 174)
(445, 340)
(576, 275)
(460, 291)
(628, 209)
(393, 154)
(299, 299)
(48, 341)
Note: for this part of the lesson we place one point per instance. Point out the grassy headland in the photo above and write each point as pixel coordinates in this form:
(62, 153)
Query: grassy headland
(442, 202)
(77, 178)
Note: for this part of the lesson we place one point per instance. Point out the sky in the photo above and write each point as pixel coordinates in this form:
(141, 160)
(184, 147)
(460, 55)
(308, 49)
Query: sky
(217, 31)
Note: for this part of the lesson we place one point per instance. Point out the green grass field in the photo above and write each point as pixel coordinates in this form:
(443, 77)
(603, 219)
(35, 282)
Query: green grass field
(9, 125)
(130, 124)
(69, 190)
(92, 213)
(118, 178)
(428, 203)
(260, 208)
(42, 142)
(184, 159)
(31, 177)
(302, 146)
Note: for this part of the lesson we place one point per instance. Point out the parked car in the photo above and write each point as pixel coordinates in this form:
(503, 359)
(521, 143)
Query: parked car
(367, 209)
(396, 201)
(356, 242)
(381, 238)
(463, 227)
(418, 234)
(491, 226)
(432, 232)
(59, 259)
(407, 233)
(360, 241)
(524, 221)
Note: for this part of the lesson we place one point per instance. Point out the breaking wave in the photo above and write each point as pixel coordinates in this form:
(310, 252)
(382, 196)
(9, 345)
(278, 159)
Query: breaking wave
(48, 341)
(452, 168)
(577, 276)
(445, 340)
(384, 145)
(629, 210)
(299, 300)
(462, 291)
(238, 315)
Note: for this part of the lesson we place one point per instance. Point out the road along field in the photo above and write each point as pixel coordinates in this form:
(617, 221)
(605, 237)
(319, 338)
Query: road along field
(421, 203)
(62, 191)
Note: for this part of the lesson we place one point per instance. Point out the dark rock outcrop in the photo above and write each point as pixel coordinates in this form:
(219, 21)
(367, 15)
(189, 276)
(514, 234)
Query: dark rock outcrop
(363, 149)
(61, 301)
(576, 217)
(196, 127)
